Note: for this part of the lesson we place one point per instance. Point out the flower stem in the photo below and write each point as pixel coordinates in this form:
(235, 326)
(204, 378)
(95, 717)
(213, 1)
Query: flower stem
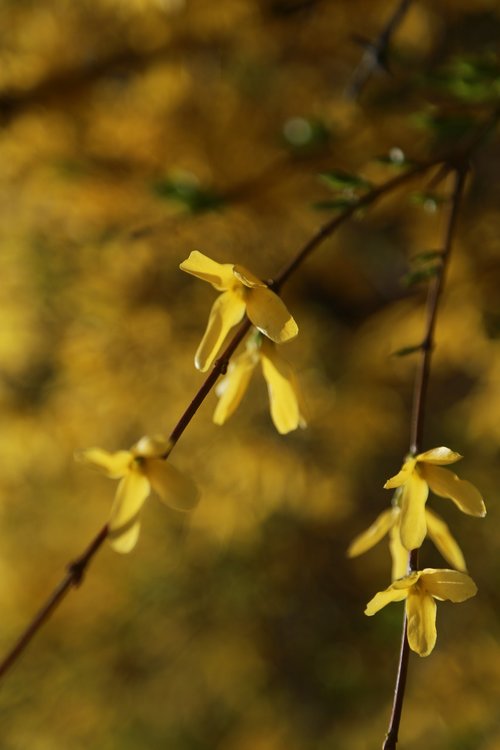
(77, 569)
(73, 578)
(417, 425)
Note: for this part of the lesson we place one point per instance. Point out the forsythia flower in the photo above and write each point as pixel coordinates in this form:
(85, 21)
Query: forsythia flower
(141, 470)
(420, 589)
(421, 473)
(389, 522)
(283, 394)
(241, 292)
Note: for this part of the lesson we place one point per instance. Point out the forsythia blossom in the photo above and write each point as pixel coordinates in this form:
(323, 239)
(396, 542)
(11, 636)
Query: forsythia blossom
(241, 292)
(140, 470)
(420, 589)
(389, 522)
(421, 473)
(283, 393)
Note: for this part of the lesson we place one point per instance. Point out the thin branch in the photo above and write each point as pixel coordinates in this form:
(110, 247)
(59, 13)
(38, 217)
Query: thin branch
(375, 52)
(77, 569)
(417, 424)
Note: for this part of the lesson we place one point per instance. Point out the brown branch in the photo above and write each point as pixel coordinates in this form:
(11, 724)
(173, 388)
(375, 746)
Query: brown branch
(77, 569)
(417, 424)
(375, 52)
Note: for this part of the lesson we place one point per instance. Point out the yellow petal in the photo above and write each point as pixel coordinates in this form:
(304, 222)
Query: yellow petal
(445, 483)
(396, 592)
(439, 456)
(175, 489)
(374, 533)
(247, 277)
(227, 311)
(421, 614)
(441, 536)
(448, 584)
(399, 553)
(402, 476)
(413, 526)
(129, 499)
(125, 540)
(270, 315)
(282, 390)
(232, 387)
(220, 275)
(114, 465)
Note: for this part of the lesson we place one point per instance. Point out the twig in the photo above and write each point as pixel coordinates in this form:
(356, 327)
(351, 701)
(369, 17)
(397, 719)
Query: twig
(375, 52)
(417, 425)
(77, 569)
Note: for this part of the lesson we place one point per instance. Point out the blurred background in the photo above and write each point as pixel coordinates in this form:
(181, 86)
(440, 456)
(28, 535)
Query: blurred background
(135, 131)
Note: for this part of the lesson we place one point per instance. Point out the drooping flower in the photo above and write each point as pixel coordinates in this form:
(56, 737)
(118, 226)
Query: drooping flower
(420, 589)
(241, 292)
(421, 473)
(388, 522)
(282, 388)
(140, 470)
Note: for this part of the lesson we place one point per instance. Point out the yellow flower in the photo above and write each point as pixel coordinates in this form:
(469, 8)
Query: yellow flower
(241, 292)
(282, 388)
(140, 470)
(417, 475)
(389, 522)
(420, 589)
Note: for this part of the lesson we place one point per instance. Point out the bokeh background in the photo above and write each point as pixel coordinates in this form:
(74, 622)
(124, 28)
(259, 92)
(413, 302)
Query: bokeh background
(132, 132)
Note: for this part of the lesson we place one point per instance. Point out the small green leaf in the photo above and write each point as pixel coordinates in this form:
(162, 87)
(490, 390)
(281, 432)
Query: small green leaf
(429, 201)
(195, 198)
(340, 204)
(423, 274)
(337, 179)
(426, 255)
(406, 350)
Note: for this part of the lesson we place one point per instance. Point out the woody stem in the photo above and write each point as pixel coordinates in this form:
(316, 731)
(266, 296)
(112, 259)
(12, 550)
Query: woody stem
(417, 424)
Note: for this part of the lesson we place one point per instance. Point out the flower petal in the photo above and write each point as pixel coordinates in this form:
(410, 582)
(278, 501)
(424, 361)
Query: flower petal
(439, 456)
(232, 387)
(270, 315)
(382, 598)
(399, 553)
(445, 483)
(441, 536)
(448, 584)
(421, 614)
(402, 476)
(282, 389)
(124, 518)
(227, 311)
(175, 489)
(220, 275)
(374, 533)
(114, 465)
(413, 499)
(247, 277)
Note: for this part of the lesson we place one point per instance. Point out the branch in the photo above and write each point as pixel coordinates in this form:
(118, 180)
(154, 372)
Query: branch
(417, 423)
(375, 53)
(77, 569)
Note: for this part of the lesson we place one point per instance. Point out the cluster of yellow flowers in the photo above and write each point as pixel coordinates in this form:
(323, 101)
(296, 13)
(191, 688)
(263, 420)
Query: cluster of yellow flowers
(144, 467)
(408, 522)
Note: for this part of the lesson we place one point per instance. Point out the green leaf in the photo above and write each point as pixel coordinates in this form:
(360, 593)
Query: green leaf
(337, 179)
(423, 274)
(406, 350)
(429, 201)
(195, 198)
(426, 255)
(340, 204)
